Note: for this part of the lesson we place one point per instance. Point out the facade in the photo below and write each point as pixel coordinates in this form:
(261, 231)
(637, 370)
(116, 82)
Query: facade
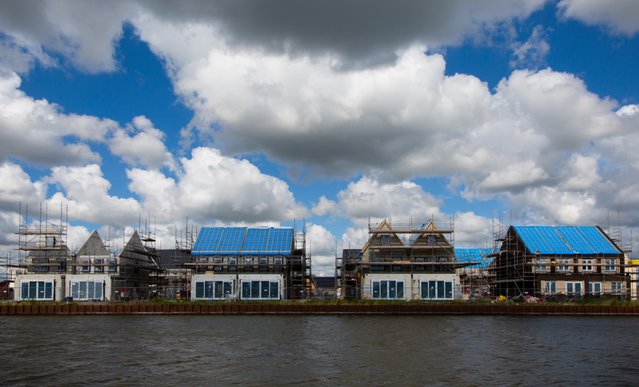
(403, 262)
(475, 279)
(92, 274)
(559, 263)
(249, 263)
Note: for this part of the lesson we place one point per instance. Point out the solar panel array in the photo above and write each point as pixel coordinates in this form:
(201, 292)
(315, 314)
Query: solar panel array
(243, 241)
(565, 240)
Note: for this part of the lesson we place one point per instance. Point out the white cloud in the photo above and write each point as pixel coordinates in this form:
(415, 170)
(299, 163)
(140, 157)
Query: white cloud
(143, 147)
(368, 198)
(472, 230)
(16, 186)
(620, 16)
(532, 53)
(37, 131)
(87, 193)
(325, 206)
(321, 244)
(215, 187)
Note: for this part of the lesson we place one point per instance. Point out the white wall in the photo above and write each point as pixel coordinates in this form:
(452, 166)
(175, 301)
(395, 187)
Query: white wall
(412, 283)
(105, 278)
(57, 279)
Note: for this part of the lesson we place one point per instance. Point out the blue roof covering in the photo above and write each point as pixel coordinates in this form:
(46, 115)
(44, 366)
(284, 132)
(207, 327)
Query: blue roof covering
(474, 255)
(565, 240)
(243, 241)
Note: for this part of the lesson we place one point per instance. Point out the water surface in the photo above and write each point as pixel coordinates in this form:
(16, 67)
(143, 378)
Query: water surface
(312, 350)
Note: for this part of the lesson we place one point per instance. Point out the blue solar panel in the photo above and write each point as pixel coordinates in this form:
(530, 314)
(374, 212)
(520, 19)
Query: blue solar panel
(243, 241)
(232, 240)
(256, 241)
(207, 240)
(280, 241)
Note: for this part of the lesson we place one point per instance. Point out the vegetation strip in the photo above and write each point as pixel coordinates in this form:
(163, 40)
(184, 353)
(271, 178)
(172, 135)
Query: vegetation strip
(318, 308)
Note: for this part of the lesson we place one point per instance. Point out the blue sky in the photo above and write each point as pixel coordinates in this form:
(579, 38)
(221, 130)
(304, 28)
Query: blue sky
(325, 112)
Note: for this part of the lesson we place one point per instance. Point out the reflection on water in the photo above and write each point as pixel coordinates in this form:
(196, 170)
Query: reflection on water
(352, 350)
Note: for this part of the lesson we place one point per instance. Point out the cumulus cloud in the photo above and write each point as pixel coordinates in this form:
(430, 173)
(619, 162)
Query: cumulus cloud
(325, 206)
(84, 33)
(38, 132)
(532, 53)
(141, 144)
(321, 244)
(16, 186)
(87, 193)
(215, 187)
(368, 198)
(619, 16)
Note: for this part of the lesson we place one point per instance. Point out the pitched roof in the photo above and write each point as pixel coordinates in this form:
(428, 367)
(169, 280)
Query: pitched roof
(260, 241)
(566, 240)
(134, 248)
(93, 246)
(474, 255)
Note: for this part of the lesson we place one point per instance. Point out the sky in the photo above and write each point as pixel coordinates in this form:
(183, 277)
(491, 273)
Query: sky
(323, 115)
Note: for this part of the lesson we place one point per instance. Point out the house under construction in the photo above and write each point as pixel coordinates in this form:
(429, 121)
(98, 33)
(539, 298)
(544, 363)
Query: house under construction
(52, 273)
(402, 262)
(250, 263)
(559, 263)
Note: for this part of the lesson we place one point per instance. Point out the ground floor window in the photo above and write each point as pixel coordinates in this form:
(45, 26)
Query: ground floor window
(594, 288)
(260, 290)
(551, 287)
(574, 289)
(616, 287)
(37, 290)
(388, 290)
(437, 290)
(86, 290)
(213, 290)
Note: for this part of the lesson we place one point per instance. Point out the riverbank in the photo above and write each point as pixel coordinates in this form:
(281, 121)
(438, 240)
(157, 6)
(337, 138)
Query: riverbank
(293, 308)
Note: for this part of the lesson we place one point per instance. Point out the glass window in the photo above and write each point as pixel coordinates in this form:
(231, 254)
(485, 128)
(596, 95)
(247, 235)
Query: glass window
(228, 289)
(376, 289)
(610, 265)
(246, 290)
(199, 289)
(98, 290)
(392, 290)
(384, 289)
(449, 289)
(564, 265)
(594, 288)
(400, 290)
(255, 289)
(74, 290)
(551, 287)
(275, 290)
(32, 289)
(219, 289)
(616, 287)
(208, 289)
(25, 291)
(265, 289)
(91, 289)
(440, 289)
(586, 265)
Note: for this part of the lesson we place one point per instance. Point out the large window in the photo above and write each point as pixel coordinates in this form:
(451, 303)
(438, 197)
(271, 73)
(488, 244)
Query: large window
(260, 290)
(616, 287)
(86, 290)
(586, 265)
(564, 265)
(540, 265)
(437, 290)
(574, 289)
(213, 290)
(594, 288)
(551, 287)
(388, 290)
(37, 290)
(610, 265)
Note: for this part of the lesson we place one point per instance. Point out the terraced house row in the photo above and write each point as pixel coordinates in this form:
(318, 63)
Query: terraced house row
(398, 262)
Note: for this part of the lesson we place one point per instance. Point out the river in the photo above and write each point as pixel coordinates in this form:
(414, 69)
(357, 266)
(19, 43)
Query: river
(318, 350)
